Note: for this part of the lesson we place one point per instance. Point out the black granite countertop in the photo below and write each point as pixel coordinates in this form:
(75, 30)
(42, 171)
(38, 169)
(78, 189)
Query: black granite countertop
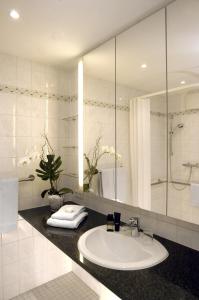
(175, 278)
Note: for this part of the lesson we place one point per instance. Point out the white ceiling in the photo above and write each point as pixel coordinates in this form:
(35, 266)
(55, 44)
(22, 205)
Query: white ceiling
(58, 31)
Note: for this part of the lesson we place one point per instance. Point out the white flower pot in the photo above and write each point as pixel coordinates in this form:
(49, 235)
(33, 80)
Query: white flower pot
(55, 202)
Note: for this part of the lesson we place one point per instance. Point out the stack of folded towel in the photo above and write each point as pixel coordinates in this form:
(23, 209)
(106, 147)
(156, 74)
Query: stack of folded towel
(68, 216)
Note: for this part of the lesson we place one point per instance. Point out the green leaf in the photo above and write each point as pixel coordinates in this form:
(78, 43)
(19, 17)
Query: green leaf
(40, 171)
(43, 177)
(42, 165)
(44, 193)
(50, 158)
(57, 164)
(57, 159)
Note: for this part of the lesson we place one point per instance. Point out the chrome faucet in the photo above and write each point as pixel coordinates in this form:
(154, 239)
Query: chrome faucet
(134, 224)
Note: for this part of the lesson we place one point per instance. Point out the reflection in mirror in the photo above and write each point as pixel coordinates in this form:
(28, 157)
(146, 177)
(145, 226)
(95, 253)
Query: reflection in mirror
(99, 121)
(141, 114)
(183, 84)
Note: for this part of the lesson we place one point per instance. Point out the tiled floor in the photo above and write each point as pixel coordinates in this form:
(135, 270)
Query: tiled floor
(66, 287)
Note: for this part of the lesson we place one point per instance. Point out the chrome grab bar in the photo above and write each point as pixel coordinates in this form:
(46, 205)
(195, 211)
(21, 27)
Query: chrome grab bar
(179, 182)
(29, 178)
(158, 182)
(191, 165)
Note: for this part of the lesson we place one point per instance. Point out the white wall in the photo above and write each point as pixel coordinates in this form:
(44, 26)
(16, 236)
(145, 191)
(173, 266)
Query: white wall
(34, 98)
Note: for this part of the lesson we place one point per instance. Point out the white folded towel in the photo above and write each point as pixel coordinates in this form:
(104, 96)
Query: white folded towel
(68, 212)
(72, 224)
(195, 194)
(108, 183)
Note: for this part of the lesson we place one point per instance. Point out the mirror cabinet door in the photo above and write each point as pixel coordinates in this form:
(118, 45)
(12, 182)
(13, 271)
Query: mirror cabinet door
(183, 109)
(141, 115)
(99, 121)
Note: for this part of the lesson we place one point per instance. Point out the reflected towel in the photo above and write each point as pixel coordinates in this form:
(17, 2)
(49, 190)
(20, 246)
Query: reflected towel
(122, 184)
(72, 224)
(8, 204)
(195, 194)
(68, 212)
(108, 183)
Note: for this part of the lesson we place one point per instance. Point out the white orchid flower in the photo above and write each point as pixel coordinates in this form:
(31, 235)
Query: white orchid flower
(118, 156)
(29, 157)
(112, 150)
(35, 155)
(24, 161)
(105, 149)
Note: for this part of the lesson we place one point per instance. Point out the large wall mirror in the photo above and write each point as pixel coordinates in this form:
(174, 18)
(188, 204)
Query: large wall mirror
(141, 121)
(141, 114)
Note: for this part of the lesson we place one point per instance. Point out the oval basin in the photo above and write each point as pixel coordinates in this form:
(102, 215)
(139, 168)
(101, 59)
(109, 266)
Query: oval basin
(115, 250)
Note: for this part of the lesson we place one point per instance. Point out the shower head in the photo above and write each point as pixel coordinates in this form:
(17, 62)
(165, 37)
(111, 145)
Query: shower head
(171, 133)
(180, 125)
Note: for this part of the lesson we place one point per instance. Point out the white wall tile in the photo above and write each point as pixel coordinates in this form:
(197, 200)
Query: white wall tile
(10, 253)
(7, 125)
(10, 290)
(23, 126)
(8, 69)
(10, 273)
(8, 147)
(8, 103)
(24, 73)
(23, 106)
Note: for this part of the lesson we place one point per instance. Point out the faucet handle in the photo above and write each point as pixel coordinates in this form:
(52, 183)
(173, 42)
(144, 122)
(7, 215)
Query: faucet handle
(148, 232)
(134, 222)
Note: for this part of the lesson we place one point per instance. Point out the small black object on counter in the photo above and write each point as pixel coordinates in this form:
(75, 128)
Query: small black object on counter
(117, 217)
(110, 222)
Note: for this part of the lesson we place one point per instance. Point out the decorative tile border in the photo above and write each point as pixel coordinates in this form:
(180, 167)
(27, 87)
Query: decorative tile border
(184, 112)
(105, 105)
(158, 114)
(118, 107)
(58, 97)
(35, 93)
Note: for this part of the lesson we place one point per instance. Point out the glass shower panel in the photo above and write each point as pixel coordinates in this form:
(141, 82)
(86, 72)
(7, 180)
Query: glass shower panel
(183, 96)
(141, 114)
(99, 121)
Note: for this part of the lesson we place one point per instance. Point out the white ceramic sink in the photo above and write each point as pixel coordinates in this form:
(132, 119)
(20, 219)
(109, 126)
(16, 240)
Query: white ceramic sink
(116, 250)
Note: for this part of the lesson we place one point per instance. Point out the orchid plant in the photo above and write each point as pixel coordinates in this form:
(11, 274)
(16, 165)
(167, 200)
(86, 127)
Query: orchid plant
(50, 170)
(93, 160)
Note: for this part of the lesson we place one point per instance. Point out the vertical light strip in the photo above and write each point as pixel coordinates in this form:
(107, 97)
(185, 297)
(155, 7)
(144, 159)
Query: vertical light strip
(46, 110)
(80, 124)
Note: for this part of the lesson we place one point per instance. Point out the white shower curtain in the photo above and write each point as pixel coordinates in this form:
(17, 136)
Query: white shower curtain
(140, 152)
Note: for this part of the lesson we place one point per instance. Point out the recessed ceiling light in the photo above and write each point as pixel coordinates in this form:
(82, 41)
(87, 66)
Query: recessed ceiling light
(182, 82)
(14, 14)
(143, 66)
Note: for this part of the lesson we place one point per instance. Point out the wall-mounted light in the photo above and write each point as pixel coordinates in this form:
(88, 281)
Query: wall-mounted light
(14, 14)
(80, 125)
